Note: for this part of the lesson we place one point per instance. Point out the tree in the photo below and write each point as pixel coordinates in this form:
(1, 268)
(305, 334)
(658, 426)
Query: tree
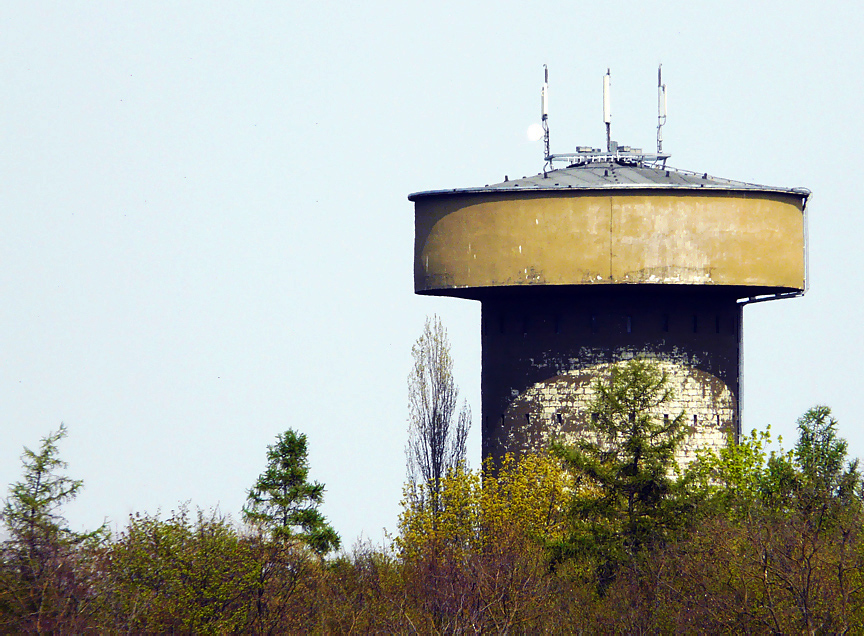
(198, 574)
(793, 520)
(478, 563)
(743, 479)
(524, 496)
(285, 503)
(625, 496)
(821, 458)
(436, 432)
(733, 480)
(40, 586)
(182, 574)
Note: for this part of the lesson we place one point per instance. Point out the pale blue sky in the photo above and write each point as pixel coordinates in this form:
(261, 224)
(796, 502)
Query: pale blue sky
(205, 237)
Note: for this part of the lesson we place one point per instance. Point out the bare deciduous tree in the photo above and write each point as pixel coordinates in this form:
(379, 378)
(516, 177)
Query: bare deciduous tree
(436, 431)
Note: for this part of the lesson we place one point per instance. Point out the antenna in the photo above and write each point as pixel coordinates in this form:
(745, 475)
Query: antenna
(614, 153)
(661, 108)
(544, 118)
(607, 109)
(544, 95)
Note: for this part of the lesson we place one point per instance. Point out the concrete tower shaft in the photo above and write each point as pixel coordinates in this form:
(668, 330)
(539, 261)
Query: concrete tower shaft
(583, 267)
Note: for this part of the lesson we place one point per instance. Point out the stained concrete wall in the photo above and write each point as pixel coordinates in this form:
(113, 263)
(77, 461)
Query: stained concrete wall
(467, 242)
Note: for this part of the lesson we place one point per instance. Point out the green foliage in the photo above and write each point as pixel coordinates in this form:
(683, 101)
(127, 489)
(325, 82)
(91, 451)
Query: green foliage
(525, 497)
(744, 479)
(784, 525)
(41, 582)
(778, 547)
(284, 502)
(193, 575)
(820, 455)
(731, 480)
(32, 511)
(198, 574)
(477, 563)
(625, 496)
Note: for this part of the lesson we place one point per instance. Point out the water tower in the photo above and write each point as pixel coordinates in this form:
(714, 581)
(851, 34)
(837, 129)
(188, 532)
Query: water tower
(612, 256)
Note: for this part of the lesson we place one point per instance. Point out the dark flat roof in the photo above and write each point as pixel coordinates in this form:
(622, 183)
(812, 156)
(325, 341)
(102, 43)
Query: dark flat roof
(615, 175)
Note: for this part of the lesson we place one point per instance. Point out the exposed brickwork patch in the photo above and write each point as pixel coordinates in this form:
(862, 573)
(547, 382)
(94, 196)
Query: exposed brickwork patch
(560, 407)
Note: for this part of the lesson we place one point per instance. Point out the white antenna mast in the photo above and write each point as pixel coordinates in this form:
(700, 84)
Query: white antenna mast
(661, 108)
(614, 153)
(544, 118)
(607, 109)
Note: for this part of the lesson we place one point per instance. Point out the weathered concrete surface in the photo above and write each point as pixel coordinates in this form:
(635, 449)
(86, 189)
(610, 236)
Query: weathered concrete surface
(467, 242)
